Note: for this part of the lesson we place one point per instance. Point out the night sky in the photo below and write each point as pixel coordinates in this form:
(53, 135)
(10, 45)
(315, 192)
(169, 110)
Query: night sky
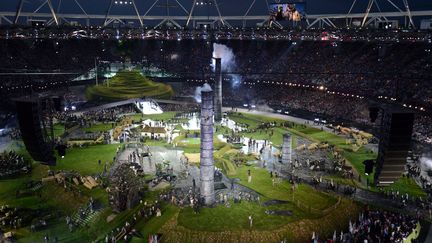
(228, 7)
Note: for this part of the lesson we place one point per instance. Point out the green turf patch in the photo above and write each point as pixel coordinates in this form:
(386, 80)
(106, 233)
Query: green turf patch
(407, 185)
(127, 85)
(85, 160)
(262, 183)
(99, 127)
(159, 117)
(166, 116)
(234, 218)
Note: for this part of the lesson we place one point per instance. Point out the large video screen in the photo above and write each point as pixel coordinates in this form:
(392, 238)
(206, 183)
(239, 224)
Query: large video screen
(291, 11)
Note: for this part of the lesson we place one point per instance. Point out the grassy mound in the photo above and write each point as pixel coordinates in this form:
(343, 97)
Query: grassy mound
(127, 85)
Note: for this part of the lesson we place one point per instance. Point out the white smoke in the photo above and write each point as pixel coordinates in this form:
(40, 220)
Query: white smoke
(228, 62)
(264, 107)
(426, 161)
(261, 105)
(199, 89)
(174, 56)
(227, 56)
(235, 80)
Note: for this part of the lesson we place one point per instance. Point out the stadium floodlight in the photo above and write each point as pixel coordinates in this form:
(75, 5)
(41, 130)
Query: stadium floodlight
(201, 3)
(123, 2)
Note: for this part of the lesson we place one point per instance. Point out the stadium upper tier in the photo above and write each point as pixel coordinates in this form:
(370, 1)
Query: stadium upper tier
(361, 68)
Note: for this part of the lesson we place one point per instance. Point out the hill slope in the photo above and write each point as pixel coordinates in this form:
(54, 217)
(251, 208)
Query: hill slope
(127, 85)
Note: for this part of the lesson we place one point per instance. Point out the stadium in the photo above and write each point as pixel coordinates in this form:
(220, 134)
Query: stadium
(216, 121)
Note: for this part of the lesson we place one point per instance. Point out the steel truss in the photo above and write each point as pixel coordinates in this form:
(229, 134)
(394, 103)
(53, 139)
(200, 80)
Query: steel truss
(314, 20)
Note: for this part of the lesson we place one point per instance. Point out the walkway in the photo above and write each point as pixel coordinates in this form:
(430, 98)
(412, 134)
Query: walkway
(130, 101)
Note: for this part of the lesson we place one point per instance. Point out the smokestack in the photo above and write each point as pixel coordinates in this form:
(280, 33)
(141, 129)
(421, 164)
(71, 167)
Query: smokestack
(206, 156)
(286, 149)
(218, 90)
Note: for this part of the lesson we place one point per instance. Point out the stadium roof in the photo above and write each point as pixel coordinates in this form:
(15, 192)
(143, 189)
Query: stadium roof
(221, 8)
(237, 7)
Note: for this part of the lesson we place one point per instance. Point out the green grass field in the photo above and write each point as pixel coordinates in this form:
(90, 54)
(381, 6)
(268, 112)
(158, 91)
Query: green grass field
(85, 160)
(221, 218)
(99, 127)
(127, 85)
(262, 183)
(312, 210)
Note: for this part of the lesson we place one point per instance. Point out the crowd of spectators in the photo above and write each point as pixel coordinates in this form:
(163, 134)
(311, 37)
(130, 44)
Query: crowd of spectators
(166, 32)
(381, 226)
(340, 107)
(363, 68)
(423, 129)
(377, 226)
(50, 55)
(318, 103)
(359, 68)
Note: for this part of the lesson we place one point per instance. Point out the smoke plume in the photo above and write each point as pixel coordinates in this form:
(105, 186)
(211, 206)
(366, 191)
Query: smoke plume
(197, 95)
(228, 62)
(426, 160)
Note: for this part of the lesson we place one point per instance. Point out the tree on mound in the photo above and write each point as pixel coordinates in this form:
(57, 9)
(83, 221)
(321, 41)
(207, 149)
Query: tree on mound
(128, 85)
